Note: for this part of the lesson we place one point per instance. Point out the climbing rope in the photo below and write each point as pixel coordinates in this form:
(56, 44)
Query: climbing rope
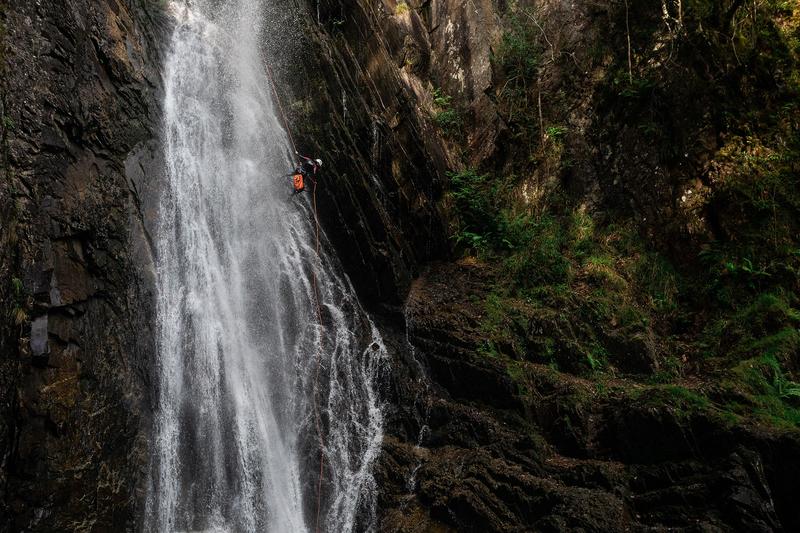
(271, 77)
(316, 371)
(317, 417)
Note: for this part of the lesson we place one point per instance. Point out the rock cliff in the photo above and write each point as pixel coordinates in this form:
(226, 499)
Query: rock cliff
(80, 92)
(544, 383)
(573, 221)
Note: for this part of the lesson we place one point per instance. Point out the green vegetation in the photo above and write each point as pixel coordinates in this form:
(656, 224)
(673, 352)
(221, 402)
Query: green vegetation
(476, 199)
(589, 291)
(518, 58)
(518, 52)
(684, 401)
(19, 315)
(603, 296)
(447, 118)
(759, 387)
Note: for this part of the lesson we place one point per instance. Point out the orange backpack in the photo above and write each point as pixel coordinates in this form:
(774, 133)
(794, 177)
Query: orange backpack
(298, 182)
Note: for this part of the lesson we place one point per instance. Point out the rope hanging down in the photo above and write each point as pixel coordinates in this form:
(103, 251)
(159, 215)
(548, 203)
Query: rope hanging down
(317, 418)
(285, 124)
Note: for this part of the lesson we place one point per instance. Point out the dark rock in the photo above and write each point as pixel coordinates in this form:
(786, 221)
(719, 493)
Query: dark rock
(353, 99)
(557, 456)
(79, 90)
(468, 447)
(40, 347)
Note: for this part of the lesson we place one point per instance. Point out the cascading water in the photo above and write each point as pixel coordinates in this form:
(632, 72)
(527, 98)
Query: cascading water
(244, 363)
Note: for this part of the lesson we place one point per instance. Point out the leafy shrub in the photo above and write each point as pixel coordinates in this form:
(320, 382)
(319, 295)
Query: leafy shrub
(440, 99)
(556, 132)
(761, 386)
(517, 58)
(447, 118)
(542, 259)
(449, 121)
(475, 212)
(518, 53)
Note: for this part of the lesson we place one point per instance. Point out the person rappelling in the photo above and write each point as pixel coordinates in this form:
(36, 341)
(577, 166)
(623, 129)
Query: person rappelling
(305, 172)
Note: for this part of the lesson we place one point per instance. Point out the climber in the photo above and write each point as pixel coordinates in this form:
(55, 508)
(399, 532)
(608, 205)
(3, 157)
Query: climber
(305, 171)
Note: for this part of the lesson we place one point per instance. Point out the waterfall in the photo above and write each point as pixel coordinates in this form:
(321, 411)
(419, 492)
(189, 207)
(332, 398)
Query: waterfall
(244, 363)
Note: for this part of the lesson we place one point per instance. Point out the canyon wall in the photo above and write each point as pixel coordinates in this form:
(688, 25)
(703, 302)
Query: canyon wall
(80, 95)
(501, 415)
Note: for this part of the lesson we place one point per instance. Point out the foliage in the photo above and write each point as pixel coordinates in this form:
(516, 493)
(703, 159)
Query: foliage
(556, 132)
(18, 314)
(767, 325)
(756, 197)
(473, 201)
(760, 386)
(447, 118)
(684, 401)
(633, 88)
(518, 53)
(517, 60)
(541, 258)
(581, 290)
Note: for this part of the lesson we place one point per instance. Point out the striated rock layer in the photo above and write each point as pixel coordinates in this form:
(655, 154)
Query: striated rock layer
(476, 443)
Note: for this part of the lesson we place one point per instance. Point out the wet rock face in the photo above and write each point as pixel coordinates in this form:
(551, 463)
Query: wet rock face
(80, 91)
(359, 96)
(472, 446)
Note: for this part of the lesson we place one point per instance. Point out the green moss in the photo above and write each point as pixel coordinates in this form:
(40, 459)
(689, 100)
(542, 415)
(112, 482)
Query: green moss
(543, 259)
(524, 379)
(767, 325)
(683, 401)
(783, 343)
(763, 389)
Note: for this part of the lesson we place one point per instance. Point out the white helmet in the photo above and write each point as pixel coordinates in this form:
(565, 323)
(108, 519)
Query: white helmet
(318, 162)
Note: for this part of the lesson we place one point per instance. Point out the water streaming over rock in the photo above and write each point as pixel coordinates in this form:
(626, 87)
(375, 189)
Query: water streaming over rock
(235, 444)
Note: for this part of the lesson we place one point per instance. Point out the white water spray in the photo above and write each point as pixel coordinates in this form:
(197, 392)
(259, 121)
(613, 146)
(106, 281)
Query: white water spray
(235, 445)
